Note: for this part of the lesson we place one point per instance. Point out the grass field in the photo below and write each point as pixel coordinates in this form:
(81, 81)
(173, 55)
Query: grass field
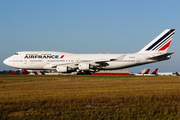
(89, 97)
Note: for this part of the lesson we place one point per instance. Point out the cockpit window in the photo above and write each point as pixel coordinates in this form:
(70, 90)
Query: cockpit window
(16, 53)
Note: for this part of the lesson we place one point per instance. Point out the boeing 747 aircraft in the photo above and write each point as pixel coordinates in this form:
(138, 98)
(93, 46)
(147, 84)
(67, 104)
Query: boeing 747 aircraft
(64, 62)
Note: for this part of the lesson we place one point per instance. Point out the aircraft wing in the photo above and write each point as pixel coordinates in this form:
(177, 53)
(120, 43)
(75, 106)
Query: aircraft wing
(103, 60)
(51, 66)
(108, 60)
(95, 63)
(161, 57)
(100, 62)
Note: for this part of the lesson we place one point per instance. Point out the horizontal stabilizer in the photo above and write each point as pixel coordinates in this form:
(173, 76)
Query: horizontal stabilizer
(161, 57)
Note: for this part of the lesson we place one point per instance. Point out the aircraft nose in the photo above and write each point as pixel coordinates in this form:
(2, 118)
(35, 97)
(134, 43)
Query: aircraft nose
(5, 62)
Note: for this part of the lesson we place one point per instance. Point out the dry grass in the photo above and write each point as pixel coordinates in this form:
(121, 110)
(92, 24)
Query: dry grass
(89, 97)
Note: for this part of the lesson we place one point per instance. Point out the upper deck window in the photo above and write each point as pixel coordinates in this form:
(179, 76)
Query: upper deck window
(16, 53)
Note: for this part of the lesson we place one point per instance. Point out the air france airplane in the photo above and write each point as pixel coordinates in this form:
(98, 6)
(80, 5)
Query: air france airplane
(64, 62)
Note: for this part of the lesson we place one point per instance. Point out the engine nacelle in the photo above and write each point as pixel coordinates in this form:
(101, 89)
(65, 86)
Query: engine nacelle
(64, 69)
(85, 66)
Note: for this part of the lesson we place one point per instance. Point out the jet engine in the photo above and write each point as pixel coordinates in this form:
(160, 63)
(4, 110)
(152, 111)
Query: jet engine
(64, 69)
(85, 66)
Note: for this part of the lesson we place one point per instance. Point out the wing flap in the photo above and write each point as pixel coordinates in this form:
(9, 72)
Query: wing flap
(108, 60)
(103, 60)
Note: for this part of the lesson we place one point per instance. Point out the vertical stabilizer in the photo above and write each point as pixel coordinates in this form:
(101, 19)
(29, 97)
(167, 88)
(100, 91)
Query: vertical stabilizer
(160, 43)
(147, 71)
(177, 74)
(155, 71)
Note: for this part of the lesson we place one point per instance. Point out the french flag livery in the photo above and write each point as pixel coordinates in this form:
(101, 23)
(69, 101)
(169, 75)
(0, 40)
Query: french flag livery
(161, 42)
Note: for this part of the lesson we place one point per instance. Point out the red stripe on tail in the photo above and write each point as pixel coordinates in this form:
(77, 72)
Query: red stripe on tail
(165, 46)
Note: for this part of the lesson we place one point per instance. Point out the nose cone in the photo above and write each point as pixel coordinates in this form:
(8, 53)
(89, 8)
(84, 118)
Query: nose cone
(5, 62)
(12, 62)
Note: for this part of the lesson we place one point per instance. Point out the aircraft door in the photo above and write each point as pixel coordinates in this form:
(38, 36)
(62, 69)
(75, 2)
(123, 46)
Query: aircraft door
(77, 60)
(138, 60)
(48, 61)
(25, 61)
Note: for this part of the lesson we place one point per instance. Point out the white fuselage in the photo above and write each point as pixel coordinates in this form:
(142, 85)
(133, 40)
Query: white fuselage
(155, 51)
(43, 60)
(166, 74)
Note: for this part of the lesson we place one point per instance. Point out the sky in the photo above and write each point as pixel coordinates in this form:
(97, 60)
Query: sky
(88, 26)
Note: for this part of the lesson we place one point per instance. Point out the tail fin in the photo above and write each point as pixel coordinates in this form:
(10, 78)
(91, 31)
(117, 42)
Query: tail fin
(177, 74)
(147, 71)
(25, 71)
(160, 43)
(35, 73)
(42, 73)
(155, 71)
